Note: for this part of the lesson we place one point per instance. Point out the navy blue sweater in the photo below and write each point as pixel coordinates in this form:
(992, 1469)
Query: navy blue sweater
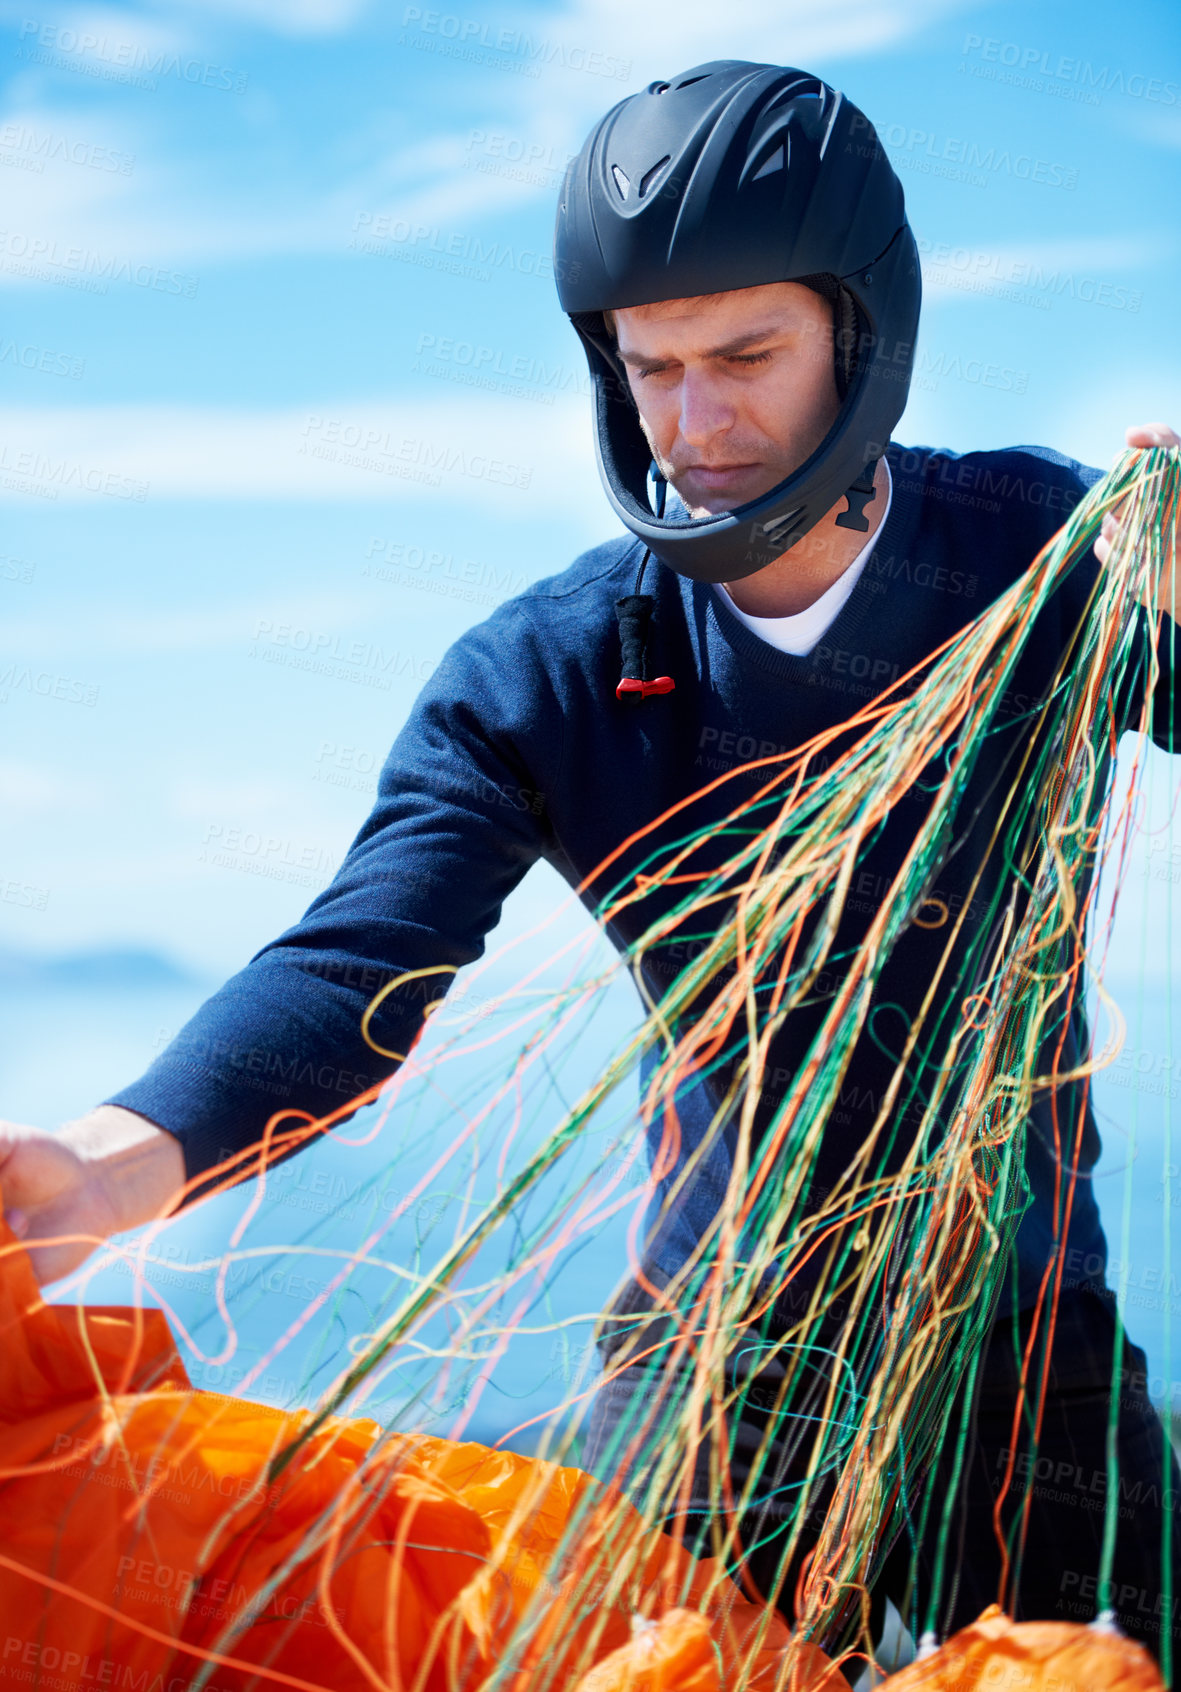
(517, 749)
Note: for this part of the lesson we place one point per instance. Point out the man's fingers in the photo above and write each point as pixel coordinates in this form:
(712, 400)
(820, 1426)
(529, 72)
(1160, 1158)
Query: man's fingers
(1152, 434)
(1107, 532)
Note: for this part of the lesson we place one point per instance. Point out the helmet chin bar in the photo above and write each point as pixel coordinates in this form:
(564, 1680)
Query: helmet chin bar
(857, 497)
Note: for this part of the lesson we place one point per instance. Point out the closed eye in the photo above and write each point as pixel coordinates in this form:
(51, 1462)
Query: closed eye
(731, 358)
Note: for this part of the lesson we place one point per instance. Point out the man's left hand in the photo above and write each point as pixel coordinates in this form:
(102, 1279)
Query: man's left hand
(1147, 435)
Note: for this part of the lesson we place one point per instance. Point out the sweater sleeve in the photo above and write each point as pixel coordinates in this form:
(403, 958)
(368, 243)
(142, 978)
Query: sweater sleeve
(461, 814)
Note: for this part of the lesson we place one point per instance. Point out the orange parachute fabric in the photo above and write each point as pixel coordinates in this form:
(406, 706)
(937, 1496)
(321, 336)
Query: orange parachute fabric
(143, 1548)
(995, 1654)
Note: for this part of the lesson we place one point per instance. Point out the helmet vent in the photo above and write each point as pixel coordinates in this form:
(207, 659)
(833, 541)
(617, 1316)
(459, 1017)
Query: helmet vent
(689, 81)
(622, 182)
(650, 176)
(779, 527)
(770, 152)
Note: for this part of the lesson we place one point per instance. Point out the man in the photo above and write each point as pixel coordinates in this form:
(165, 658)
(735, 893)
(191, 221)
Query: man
(733, 250)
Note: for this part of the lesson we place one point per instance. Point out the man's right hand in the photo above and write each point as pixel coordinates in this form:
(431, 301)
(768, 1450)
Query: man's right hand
(108, 1171)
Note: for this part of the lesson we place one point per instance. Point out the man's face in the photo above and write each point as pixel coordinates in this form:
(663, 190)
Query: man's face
(734, 390)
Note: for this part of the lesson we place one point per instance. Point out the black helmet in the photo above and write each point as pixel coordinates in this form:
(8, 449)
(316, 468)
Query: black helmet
(731, 175)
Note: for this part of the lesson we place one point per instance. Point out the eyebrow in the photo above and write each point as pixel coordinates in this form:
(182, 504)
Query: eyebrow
(738, 344)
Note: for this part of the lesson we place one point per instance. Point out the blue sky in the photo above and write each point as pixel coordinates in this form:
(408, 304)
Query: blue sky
(239, 236)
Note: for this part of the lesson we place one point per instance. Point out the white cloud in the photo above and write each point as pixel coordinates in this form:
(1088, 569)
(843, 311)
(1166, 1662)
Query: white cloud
(30, 791)
(79, 155)
(59, 139)
(1161, 125)
(432, 179)
(264, 802)
(66, 222)
(962, 270)
(283, 17)
(221, 628)
(796, 32)
(632, 46)
(90, 35)
(469, 449)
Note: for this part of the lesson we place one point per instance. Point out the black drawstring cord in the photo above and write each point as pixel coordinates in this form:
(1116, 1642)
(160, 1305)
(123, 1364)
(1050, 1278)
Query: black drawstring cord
(635, 616)
(634, 612)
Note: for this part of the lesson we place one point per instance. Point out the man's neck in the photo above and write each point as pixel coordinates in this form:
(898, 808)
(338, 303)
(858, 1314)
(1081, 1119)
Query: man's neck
(797, 578)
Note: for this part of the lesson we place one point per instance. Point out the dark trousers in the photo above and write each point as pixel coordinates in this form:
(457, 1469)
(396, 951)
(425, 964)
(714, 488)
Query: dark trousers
(1065, 1474)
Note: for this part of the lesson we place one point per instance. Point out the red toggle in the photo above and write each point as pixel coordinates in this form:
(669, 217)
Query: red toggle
(631, 684)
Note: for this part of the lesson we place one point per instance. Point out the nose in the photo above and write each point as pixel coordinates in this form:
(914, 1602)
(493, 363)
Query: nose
(705, 413)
